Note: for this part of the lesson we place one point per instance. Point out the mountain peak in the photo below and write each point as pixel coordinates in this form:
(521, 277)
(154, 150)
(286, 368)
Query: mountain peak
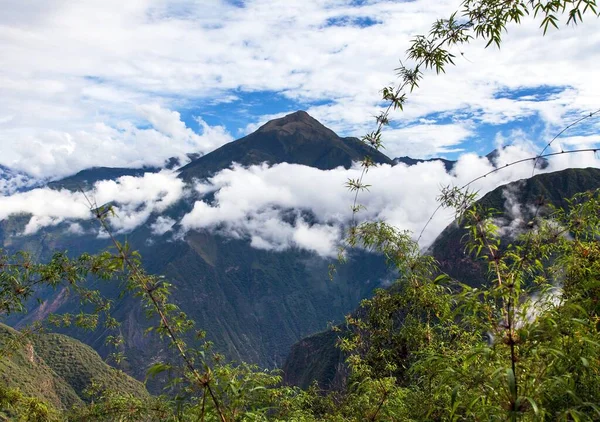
(294, 122)
(296, 138)
(296, 116)
(299, 115)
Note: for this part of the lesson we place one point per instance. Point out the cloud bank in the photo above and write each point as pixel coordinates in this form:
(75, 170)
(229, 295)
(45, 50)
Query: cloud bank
(133, 199)
(281, 206)
(289, 205)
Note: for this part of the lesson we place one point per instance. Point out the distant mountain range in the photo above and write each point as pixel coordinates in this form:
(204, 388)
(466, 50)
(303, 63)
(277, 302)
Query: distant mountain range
(492, 157)
(86, 178)
(448, 164)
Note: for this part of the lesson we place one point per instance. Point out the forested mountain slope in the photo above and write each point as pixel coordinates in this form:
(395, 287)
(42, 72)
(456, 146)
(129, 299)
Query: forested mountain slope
(517, 204)
(316, 357)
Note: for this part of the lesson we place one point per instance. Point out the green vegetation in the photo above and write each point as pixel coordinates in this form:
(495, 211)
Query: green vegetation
(532, 196)
(22, 368)
(317, 360)
(57, 370)
(80, 366)
(523, 345)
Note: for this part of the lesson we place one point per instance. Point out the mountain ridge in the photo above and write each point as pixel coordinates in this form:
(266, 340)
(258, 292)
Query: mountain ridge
(58, 369)
(317, 358)
(253, 303)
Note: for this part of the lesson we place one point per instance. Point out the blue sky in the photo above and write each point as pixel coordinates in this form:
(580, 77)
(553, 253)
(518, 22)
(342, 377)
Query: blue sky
(130, 84)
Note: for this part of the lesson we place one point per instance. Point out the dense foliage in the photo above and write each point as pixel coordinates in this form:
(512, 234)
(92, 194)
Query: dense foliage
(523, 346)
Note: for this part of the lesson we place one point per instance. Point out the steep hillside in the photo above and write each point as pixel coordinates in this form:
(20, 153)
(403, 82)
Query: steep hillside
(57, 368)
(254, 304)
(316, 358)
(517, 202)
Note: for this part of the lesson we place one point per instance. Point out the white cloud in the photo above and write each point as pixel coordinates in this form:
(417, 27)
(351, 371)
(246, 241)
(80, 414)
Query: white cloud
(420, 139)
(45, 153)
(79, 78)
(513, 209)
(12, 181)
(138, 197)
(285, 205)
(45, 205)
(269, 205)
(162, 225)
(134, 199)
(97, 83)
(76, 228)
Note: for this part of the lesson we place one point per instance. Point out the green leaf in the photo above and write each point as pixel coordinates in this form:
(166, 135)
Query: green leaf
(575, 415)
(156, 369)
(534, 406)
(512, 382)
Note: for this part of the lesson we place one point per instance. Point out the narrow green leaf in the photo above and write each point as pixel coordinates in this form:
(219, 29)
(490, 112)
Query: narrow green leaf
(534, 406)
(156, 369)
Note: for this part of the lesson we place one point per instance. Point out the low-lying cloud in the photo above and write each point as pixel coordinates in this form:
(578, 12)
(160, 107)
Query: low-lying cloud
(269, 204)
(285, 205)
(133, 199)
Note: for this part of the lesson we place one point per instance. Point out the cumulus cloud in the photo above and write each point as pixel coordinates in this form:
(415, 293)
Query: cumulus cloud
(106, 70)
(421, 139)
(51, 153)
(137, 198)
(285, 205)
(288, 205)
(134, 199)
(45, 205)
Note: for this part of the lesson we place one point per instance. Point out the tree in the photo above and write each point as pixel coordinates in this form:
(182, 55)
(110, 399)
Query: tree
(413, 347)
(523, 347)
